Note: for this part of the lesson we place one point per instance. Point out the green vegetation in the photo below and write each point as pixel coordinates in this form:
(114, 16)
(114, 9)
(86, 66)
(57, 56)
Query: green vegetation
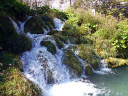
(34, 26)
(14, 8)
(116, 62)
(72, 62)
(15, 84)
(103, 34)
(50, 46)
(10, 40)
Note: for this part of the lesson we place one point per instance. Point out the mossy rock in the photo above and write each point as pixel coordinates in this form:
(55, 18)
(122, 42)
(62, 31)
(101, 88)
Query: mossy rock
(10, 40)
(61, 38)
(19, 44)
(18, 85)
(49, 26)
(7, 30)
(72, 62)
(53, 32)
(73, 48)
(47, 17)
(116, 62)
(59, 43)
(88, 69)
(95, 64)
(50, 46)
(34, 26)
(87, 53)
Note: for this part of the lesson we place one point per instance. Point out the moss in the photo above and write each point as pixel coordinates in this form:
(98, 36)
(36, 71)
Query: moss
(10, 40)
(71, 61)
(50, 46)
(47, 17)
(10, 60)
(49, 26)
(116, 62)
(80, 40)
(6, 29)
(19, 44)
(87, 53)
(17, 85)
(73, 48)
(61, 38)
(59, 43)
(53, 32)
(34, 26)
(88, 69)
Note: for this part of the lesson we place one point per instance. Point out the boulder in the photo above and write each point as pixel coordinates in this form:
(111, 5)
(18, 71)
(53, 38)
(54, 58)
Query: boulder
(50, 46)
(88, 69)
(59, 43)
(10, 40)
(88, 54)
(72, 62)
(116, 62)
(53, 32)
(34, 26)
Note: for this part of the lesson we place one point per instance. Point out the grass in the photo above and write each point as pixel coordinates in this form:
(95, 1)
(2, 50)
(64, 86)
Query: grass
(15, 84)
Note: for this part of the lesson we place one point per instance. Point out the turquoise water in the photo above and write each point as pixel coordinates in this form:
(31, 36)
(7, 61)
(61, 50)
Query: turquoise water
(114, 84)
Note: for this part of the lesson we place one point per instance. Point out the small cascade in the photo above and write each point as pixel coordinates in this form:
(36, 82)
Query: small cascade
(23, 23)
(103, 67)
(18, 30)
(58, 24)
(48, 71)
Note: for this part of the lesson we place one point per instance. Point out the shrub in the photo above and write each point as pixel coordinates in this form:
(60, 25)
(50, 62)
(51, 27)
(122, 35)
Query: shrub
(14, 8)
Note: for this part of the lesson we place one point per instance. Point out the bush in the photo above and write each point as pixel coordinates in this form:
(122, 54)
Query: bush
(14, 8)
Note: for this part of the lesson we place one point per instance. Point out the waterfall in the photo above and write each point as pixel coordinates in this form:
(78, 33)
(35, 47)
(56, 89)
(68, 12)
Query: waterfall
(48, 71)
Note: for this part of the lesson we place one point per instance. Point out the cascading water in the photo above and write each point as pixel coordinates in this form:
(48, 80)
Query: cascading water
(48, 71)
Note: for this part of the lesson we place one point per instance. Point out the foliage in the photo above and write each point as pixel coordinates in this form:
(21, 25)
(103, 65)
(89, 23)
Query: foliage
(17, 85)
(59, 14)
(55, 12)
(14, 8)
(120, 43)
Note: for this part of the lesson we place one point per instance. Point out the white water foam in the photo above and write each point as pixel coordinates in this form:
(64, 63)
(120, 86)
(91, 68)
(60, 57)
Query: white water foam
(75, 88)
